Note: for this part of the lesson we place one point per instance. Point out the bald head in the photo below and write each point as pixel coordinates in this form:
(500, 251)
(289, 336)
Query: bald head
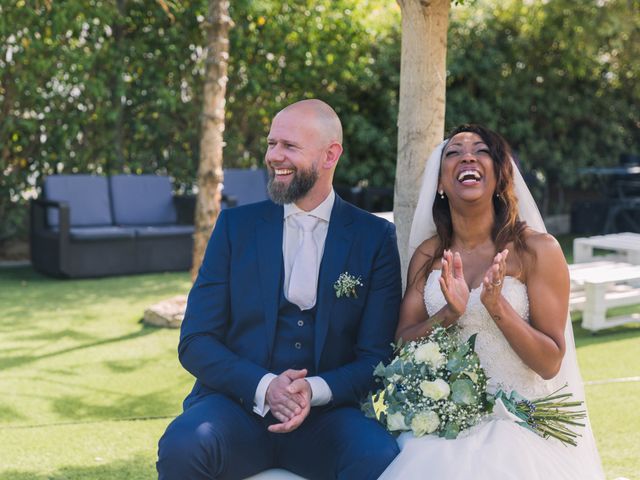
(324, 118)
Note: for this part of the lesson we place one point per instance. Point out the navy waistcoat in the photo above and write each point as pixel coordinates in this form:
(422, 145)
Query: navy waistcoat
(294, 339)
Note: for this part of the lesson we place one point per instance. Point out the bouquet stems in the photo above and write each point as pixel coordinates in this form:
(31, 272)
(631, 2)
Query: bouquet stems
(549, 416)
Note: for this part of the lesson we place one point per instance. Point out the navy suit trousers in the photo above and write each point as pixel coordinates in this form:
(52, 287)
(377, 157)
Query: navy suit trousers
(216, 438)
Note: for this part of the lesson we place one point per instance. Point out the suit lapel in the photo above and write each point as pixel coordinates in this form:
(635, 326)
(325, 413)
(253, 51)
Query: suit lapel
(334, 261)
(269, 240)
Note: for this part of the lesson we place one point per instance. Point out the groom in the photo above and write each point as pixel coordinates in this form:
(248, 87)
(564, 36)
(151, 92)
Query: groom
(294, 305)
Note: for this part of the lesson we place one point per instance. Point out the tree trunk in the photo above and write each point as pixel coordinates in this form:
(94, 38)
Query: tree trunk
(116, 161)
(422, 104)
(217, 28)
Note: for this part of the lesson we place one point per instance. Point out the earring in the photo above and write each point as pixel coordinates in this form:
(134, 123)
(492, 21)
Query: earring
(497, 195)
(441, 193)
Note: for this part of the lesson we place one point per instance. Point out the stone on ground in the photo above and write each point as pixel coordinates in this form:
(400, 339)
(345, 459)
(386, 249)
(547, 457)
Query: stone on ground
(167, 313)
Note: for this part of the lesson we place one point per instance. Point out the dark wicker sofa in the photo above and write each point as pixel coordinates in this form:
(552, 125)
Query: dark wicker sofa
(94, 226)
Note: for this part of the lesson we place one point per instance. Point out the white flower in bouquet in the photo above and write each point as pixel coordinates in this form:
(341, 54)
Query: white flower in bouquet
(425, 422)
(395, 422)
(436, 390)
(473, 376)
(430, 354)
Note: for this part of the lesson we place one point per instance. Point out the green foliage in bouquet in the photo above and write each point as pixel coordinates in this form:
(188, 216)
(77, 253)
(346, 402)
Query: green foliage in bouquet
(433, 385)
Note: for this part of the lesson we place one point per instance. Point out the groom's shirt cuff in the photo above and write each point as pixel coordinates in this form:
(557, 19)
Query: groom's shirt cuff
(259, 398)
(320, 393)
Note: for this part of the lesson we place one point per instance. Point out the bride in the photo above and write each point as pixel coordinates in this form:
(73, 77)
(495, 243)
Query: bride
(483, 261)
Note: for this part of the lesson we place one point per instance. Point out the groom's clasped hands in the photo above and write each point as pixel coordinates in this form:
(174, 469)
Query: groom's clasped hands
(289, 399)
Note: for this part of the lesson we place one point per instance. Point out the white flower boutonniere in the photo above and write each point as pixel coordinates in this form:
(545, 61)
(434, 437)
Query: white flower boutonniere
(346, 285)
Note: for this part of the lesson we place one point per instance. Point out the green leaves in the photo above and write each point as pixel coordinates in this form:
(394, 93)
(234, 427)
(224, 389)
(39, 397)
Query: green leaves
(462, 392)
(451, 430)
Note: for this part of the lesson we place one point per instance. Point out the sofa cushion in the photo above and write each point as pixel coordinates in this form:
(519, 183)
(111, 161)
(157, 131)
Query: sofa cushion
(142, 200)
(100, 233)
(146, 231)
(87, 196)
(245, 185)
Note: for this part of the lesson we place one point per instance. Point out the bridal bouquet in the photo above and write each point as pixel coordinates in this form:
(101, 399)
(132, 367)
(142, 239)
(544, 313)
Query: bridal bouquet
(436, 385)
(433, 385)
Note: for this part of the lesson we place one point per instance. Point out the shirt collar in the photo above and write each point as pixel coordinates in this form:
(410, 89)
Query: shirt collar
(322, 211)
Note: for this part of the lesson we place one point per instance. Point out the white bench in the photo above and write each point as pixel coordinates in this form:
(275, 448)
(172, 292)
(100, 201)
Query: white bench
(275, 474)
(624, 247)
(598, 286)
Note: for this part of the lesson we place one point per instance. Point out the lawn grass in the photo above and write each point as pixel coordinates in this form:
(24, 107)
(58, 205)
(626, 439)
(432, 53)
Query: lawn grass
(87, 389)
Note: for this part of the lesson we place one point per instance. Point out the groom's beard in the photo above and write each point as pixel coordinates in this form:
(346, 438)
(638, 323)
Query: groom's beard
(301, 183)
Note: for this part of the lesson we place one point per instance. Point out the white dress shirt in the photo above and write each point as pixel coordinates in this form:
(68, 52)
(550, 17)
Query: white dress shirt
(321, 393)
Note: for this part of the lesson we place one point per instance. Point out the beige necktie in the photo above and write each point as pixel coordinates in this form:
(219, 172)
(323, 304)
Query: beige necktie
(303, 280)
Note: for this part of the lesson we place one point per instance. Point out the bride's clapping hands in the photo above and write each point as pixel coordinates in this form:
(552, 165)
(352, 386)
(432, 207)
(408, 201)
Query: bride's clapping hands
(452, 283)
(493, 280)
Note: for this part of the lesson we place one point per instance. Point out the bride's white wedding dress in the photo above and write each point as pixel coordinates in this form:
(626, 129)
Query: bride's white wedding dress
(497, 448)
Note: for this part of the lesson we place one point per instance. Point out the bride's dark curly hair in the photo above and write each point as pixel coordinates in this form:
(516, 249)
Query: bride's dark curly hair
(507, 226)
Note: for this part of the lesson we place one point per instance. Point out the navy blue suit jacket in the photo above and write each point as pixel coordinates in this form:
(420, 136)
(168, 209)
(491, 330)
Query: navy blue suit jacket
(229, 328)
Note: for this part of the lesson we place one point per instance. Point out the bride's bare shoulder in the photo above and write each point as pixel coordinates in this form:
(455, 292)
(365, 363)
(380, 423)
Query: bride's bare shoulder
(544, 248)
(427, 249)
(541, 242)
(422, 259)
